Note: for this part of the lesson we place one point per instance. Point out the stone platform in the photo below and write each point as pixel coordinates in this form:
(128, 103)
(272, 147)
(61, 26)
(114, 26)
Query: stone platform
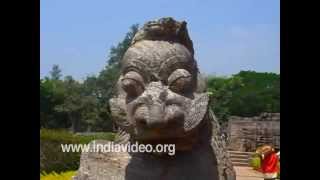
(247, 173)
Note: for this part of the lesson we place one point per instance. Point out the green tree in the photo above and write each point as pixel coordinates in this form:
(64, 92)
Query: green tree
(90, 113)
(72, 104)
(221, 90)
(82, 106)
(45, 103)
(55, 73)
(95, 106)
(51, 94)
(247, 93)
(260, 93)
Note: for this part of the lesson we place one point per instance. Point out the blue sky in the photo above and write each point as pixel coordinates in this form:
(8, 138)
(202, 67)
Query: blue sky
(228, 35)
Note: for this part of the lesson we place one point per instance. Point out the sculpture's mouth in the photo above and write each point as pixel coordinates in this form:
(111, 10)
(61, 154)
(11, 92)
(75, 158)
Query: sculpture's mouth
(181, 142)
(159, 121)
(159, 134)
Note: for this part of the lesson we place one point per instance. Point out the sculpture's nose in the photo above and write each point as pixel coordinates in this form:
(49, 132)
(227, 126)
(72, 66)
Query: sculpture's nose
(156, 117)
(151, 116)
(155, 96)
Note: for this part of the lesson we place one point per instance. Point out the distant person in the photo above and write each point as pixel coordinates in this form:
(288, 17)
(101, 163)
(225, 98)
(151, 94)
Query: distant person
(278, 154)
(269, 166)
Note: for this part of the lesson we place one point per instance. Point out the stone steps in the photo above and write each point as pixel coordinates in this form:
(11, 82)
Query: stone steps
(240, 164)
(240, 153)
(239, 158)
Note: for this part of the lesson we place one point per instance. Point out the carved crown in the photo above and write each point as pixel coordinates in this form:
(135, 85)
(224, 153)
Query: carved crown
(165, 29)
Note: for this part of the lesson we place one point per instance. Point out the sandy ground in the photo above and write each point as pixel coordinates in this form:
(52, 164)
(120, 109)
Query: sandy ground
(247, 173)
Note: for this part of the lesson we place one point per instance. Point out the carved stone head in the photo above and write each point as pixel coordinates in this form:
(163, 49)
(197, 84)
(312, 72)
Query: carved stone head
(159, 100)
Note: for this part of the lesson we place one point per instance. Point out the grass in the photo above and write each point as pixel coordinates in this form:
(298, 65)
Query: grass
(57, 176)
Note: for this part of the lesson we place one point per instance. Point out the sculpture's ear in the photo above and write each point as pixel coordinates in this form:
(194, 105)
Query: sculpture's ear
(117, 105)
(197, 111)
(120, 91)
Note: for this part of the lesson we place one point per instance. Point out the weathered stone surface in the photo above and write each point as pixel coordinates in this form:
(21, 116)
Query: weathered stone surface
(99, 165)
(184, 165)
(246, 134)
(206, 161)
(162, 99)
(165, 29)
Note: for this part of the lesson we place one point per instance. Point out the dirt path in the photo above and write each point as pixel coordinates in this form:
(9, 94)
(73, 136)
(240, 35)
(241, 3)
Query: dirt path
(247, 173)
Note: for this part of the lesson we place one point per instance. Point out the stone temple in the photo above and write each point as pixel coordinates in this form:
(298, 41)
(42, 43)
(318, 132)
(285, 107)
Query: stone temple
(247, 133)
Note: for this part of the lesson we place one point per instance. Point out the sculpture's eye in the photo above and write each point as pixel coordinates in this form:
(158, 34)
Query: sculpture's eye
(180, 81)
(132, 84)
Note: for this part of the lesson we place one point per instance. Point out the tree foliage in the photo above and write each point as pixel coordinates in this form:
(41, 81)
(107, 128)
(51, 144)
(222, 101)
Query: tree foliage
(55, 73)
(82, 106)
(247, 93)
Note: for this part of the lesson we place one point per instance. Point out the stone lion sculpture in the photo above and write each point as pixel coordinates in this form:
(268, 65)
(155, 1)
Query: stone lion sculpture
(161, 99)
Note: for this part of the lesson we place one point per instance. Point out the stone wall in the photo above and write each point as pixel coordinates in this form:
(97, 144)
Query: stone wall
(247, 133)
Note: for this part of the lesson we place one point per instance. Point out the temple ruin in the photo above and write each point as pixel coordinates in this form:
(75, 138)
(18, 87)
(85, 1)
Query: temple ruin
(248, 133)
